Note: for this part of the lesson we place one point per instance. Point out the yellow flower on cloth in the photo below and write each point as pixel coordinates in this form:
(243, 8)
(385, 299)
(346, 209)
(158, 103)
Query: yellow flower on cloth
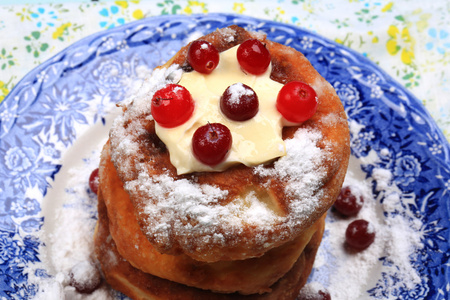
(400, 40)
(387, 7)
(60, 30)
(195, 7)
(123, 4)
(3, 91)
(238, 7)
(138, 14)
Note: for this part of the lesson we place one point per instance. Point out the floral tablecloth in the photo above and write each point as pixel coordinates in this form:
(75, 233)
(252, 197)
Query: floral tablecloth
(408, 39)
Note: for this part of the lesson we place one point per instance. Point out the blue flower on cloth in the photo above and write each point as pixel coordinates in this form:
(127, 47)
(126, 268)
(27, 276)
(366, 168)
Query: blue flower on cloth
(440, 42)
(111, 15)
(44, 18)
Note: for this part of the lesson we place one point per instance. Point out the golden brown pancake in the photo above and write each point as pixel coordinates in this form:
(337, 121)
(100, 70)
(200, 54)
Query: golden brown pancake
(208, 230)
(249, 276)
(122, 276)
(243, 233)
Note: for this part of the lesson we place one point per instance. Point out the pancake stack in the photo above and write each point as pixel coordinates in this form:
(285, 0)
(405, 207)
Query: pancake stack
(247, 232)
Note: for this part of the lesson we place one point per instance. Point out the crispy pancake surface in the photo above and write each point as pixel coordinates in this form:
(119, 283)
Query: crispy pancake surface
(122, 276)
(209, 216)
(254, 275)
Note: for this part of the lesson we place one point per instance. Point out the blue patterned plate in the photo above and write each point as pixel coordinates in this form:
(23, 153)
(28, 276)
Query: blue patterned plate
(61, 109)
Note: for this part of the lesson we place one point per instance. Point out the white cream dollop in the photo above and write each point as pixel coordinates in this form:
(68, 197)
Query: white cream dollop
(255, 141)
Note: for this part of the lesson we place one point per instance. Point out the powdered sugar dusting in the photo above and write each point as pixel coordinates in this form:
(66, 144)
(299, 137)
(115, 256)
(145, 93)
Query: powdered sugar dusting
(227, 34)
(184, 206)
(237, 91)
(301, 169)
(350, 275)
(310, 291)
(138, 104)
(68, 235)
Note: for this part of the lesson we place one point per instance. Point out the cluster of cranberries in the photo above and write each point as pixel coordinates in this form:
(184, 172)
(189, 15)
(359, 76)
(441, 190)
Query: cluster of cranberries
(173, 105)
(360, 234)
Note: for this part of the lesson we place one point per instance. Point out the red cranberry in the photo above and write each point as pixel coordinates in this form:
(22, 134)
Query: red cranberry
(172, 105)
(319, 295)
(297, 101)
(211, 143)
(253, 57)
(85, 277)
(360, 234)
(203, 56)
(347, 203)
(94, 181)
(239, 102)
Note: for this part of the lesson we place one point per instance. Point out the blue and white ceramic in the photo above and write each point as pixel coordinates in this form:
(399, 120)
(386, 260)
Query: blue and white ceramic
(52, 106)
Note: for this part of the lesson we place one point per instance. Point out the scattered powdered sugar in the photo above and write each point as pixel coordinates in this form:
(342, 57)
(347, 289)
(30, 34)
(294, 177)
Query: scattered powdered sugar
(237, 91)
(320, 86)
(310, 291)
(184, 207)
(180, 201)
(331, 119)
(193, 36)
(138, 104)
(260, 35)
(387, 266)
(302, 158)
(84, 271)
(300, 167)
(257, 212)
(382, 177)
(227, 34)
(177, 89)
(68, 236)
(50, 289)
